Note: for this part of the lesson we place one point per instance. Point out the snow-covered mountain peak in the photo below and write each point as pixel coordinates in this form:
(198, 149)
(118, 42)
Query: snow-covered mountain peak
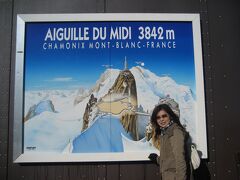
(159, 83)
(41, 107)
(106, 74)
(147, 74)
(105, 82)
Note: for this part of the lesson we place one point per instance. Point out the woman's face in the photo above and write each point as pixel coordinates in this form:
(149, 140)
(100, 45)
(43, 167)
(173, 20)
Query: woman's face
(163, 118)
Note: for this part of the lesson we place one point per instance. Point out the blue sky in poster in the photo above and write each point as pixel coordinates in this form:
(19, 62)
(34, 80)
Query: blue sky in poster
(72, 68)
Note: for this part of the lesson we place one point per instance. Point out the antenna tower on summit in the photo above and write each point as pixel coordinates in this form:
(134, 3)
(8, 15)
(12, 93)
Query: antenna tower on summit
(125, 64)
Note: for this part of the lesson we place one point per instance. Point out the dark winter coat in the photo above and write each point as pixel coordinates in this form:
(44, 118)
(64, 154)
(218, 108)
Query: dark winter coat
(172, 160)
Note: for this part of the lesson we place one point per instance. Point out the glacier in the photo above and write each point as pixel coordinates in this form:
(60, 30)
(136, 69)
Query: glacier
(46, 133)
(104, 135)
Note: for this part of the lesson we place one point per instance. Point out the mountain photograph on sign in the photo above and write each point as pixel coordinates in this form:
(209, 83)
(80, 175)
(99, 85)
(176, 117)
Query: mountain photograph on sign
(112, 116)
(100, 100)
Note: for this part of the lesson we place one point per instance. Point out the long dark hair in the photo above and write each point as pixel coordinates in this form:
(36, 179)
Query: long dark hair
(173, 117)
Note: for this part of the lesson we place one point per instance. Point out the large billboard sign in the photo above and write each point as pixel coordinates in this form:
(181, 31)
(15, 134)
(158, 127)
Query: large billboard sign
(86, 84)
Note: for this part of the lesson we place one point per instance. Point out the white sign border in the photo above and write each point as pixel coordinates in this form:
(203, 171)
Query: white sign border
(20, 157)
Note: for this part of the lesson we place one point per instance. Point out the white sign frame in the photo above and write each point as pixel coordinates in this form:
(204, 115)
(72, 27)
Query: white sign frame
(20, 157)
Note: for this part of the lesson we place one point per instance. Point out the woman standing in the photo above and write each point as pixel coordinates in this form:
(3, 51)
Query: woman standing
(170, 137)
